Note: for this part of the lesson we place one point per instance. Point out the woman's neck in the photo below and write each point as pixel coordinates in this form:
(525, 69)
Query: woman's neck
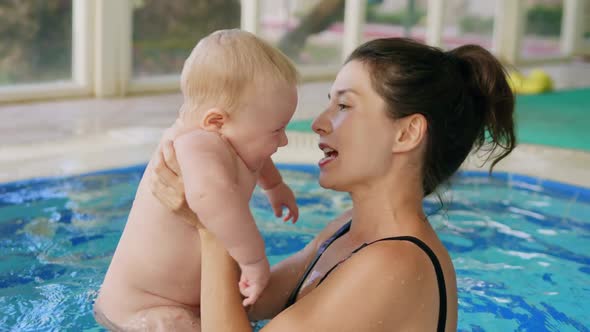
(389, 207)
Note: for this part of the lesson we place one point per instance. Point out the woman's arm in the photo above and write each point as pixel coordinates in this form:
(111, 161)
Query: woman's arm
(221, 302)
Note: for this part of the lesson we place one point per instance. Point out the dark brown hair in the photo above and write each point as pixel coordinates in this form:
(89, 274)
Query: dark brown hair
(462, 93)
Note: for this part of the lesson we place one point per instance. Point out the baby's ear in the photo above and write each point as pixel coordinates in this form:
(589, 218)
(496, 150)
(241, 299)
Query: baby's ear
(214, 119)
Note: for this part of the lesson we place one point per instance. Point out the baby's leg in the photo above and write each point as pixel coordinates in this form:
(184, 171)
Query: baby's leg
(165, 318)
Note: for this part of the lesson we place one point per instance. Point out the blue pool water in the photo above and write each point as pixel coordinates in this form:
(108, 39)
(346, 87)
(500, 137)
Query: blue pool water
(520, 246)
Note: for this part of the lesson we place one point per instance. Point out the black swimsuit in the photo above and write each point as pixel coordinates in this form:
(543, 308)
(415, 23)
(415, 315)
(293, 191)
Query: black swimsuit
(442, 293)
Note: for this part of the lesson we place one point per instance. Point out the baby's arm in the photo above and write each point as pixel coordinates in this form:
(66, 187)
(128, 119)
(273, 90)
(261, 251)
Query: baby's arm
(269, 175)
(279, 194)
(209, 170)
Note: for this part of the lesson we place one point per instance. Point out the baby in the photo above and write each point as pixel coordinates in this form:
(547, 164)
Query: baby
(239, 94)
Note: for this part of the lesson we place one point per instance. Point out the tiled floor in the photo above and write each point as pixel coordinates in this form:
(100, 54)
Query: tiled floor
(77, 136)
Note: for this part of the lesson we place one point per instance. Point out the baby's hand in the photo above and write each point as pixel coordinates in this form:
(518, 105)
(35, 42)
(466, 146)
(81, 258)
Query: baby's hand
(281, 195)
(254, 279)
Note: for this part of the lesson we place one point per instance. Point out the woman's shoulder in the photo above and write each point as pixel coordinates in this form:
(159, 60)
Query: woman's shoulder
(399, 260)
(416, 270)
(397, 275)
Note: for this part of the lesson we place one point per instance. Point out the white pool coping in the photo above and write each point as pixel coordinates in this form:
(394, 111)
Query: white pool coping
(130, 146)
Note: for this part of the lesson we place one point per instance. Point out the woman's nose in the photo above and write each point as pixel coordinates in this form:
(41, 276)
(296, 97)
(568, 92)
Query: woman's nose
(321, 124)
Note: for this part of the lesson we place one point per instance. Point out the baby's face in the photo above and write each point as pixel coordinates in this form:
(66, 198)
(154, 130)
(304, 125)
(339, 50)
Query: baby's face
(257, 127)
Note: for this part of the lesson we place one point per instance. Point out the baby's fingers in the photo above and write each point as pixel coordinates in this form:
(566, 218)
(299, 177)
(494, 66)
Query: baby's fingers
(293, 213)
(247, 294)
(278, 210)
(252, 297)
(287, 217)
(247, 302)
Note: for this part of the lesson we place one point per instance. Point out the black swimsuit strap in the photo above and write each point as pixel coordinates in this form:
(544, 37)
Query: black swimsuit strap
(341, 231)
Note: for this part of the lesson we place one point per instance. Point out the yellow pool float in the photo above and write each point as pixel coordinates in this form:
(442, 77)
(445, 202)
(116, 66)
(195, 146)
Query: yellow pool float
(538, 81)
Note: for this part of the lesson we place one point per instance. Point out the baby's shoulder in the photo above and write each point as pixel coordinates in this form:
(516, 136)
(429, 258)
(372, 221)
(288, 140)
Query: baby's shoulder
(201, 140)
(206, 149)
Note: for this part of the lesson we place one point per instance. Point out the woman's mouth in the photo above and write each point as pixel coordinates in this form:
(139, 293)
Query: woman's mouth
(330, 155)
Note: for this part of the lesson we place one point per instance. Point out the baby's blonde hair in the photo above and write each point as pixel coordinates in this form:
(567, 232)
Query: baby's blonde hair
(225, 63)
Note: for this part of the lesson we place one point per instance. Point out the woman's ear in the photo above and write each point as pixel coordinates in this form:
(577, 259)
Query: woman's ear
(214, 119)
(411, 132)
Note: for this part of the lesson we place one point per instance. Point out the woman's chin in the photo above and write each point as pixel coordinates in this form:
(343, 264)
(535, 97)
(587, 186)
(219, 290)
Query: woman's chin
(327, 183)
(323, 182)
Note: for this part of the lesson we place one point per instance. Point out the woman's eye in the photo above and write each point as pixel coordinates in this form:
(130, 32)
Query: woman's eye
(342, 107)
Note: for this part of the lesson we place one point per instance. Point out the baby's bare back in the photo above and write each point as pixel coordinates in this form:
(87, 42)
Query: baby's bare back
(157, 261)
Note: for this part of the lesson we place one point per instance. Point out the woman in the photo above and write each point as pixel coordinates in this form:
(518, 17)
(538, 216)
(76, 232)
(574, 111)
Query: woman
(401, 119)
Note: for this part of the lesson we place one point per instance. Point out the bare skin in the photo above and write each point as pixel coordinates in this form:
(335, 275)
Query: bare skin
(387, 286)
(154, 280)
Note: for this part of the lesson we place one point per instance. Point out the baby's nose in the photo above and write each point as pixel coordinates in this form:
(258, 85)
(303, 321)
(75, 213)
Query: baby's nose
(284, 139)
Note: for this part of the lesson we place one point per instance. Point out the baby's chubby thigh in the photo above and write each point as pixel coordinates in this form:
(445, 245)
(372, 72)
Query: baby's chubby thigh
(164, 318)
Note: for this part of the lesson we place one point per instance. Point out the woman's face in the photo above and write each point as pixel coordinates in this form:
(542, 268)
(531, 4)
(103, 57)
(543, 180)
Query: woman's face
(356, 134)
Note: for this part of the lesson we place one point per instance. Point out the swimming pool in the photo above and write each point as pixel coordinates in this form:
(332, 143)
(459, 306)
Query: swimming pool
(520, 246)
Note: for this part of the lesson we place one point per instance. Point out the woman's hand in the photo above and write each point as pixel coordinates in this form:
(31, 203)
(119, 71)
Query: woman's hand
(167, 185)
(281, 195)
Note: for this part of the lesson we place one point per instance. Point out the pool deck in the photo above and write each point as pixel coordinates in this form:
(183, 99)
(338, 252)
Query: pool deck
(83, 135)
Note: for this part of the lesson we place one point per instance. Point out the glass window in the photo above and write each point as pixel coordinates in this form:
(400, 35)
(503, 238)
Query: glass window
(164, 32)
(587, 27)
(542, 28)
(35, 41)
(468, 22)
(395, 18)
(308, 31)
